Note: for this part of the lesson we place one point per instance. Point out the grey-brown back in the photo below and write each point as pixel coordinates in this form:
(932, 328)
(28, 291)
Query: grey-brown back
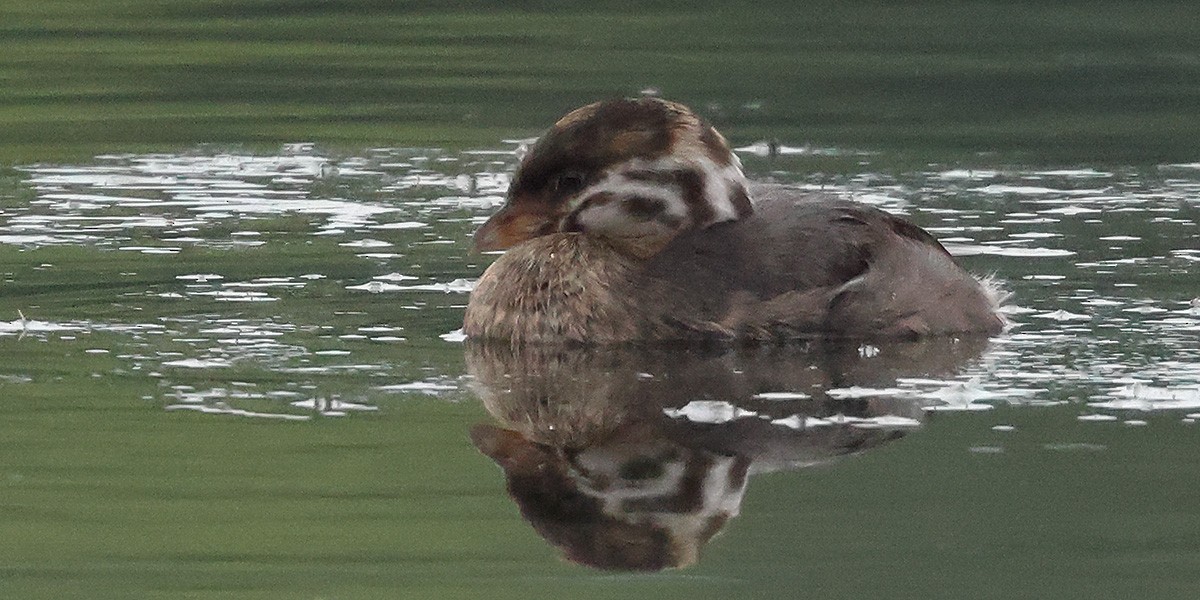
(810, 263)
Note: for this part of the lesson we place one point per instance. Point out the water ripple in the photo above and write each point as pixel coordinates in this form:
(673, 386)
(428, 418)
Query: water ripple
(1101, 262)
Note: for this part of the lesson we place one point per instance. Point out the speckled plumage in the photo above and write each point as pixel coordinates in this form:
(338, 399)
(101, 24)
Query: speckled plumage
(562, 286)
(803, 265)
(631, 220)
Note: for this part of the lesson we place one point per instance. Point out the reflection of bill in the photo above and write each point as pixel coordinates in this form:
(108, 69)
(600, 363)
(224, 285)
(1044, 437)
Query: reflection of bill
(634, 458)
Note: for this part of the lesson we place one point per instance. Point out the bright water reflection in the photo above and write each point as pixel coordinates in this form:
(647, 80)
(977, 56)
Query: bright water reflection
(249, 369)
(1102, 265)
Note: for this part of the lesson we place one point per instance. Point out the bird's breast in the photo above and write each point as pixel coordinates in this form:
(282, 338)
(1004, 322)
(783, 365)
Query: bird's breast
(557, 287)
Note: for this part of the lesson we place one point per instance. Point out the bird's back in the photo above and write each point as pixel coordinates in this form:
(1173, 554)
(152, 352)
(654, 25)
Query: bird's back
(807, 263)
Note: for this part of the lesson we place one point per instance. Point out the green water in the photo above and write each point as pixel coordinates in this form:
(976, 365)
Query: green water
(1076, 81)
(215, 383)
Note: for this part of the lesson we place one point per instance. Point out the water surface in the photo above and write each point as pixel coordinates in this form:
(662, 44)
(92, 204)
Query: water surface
(239, 375)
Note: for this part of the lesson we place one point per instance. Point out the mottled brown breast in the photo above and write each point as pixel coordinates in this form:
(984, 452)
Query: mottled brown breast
(555, 288)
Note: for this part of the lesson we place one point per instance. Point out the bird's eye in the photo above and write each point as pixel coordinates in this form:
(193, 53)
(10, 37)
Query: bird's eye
(569, 182)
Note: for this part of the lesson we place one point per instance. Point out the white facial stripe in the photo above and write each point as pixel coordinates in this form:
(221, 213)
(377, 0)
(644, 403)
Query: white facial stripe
(720, 183)
(668, 195)
(611, 219)
(719, 492)
(621, 187)
(722, 186)
(737, 163)
(716, 193)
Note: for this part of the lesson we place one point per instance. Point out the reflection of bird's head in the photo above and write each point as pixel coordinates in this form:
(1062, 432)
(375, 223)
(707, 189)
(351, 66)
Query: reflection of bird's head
(625, 505)
(633, 172)
(635, 457)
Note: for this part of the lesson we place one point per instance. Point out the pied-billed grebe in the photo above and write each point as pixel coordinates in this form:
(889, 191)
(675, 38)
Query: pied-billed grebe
(631, 220)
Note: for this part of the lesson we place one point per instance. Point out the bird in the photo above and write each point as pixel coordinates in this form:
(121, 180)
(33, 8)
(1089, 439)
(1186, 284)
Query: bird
(631, 220)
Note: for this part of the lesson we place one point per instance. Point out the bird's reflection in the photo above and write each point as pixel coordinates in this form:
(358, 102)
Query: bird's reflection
(633, 458)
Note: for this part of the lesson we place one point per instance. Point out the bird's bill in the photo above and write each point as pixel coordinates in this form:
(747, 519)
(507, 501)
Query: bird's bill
(513, 224)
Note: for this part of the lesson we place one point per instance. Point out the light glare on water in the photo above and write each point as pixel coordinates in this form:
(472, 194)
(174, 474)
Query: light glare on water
(1100, 262)
(305, 288)
(1104, 303)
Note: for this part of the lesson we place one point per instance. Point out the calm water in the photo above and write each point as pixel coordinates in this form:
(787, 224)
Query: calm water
(236, 375)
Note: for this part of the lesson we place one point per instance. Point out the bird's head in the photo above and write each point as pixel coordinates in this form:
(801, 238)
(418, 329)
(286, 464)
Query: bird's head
(633, 172)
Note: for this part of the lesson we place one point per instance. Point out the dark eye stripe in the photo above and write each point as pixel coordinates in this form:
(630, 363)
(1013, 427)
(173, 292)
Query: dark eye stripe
(692, 185)
(690, 182)
(652, 176)
(642, 208)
